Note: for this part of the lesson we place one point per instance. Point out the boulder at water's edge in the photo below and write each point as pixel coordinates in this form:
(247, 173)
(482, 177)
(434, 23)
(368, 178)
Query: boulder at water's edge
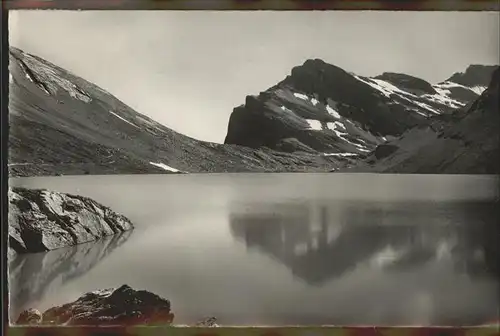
(41, 220)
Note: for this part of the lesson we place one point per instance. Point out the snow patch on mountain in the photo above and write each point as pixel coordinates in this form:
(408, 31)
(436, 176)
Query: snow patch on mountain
(125, 120)
(334, 126)
(358, 146)
(346, 154)
(165, 167)
(332, 111)
(314, 124)
(301, 96)
(442, 97)
(424, 106)
(386, 88)
(448, 84)
(478, 89)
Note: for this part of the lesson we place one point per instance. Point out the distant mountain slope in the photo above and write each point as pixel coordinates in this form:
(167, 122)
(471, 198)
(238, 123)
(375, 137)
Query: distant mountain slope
(320, 118)
(466, 141)
(62, 124)
(323, 108)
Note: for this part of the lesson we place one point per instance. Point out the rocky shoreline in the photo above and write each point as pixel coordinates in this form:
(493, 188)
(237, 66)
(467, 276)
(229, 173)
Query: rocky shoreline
(42, 220)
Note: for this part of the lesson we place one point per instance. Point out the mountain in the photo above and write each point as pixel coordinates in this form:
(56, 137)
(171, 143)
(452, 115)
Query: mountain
(319, 118)
(322, 108)
(62, 124)
(465, 141)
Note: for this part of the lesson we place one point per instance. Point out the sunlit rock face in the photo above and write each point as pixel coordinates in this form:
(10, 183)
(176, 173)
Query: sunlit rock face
(41, 220)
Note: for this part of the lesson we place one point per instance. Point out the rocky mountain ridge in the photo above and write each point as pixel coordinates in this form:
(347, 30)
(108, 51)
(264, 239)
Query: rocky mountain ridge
(318, 119)
(322, 108)
(465, 141)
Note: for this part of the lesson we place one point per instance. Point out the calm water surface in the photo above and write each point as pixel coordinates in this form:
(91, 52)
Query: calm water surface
(276, 249)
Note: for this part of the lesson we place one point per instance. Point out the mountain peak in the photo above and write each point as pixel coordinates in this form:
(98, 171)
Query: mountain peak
(314, 62)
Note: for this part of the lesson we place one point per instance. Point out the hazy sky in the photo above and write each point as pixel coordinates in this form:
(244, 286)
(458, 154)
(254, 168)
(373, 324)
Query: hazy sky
(188, 70)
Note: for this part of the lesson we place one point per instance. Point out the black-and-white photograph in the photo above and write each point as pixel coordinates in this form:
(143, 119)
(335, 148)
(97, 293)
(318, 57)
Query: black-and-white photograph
(253, 168)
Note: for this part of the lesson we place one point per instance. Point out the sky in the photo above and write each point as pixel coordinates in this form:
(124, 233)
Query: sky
(188, 70)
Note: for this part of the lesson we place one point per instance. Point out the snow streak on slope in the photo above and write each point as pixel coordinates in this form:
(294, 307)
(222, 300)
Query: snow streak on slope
(305, 108)
(332, 112)
(447, 84)
(125, 120)
(389, 90)
(301, 96)
(314, 124)
(442, 97)
(165, 167)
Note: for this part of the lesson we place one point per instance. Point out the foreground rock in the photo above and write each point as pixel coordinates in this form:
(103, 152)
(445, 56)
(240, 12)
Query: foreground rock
(114, 306)
(41, 220)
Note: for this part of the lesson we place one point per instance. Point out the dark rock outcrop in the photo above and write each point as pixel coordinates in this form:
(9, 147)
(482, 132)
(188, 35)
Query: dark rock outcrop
(384, 150)
(41, 220)
(114, 306)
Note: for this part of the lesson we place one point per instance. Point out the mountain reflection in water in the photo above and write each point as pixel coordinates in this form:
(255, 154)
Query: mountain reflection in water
(287, 249)
(320, 242)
